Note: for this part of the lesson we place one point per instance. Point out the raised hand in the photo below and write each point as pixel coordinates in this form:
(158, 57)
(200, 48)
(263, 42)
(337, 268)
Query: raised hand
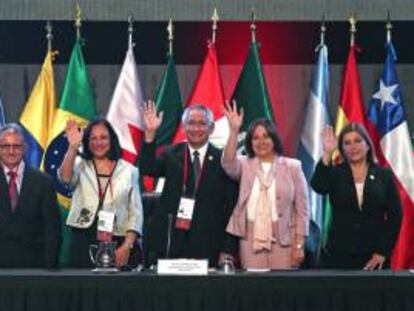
(329, 142)
(152, 120)
(73, 133)
(234, 118)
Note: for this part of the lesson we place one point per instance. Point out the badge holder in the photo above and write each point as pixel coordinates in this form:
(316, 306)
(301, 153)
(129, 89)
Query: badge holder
(185, 213)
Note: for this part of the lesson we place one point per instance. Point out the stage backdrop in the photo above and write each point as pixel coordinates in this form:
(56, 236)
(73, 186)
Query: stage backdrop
(286, 49)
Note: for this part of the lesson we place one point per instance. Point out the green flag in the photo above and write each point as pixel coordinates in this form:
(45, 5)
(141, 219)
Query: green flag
(76, 102)
(327, 219)
(168, 100)
(251, 91)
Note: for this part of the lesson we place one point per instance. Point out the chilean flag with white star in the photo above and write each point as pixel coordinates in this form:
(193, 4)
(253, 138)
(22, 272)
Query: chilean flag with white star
(386, 113)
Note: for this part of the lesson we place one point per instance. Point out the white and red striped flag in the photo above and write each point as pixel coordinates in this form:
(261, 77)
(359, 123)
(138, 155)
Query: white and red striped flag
(125, 110)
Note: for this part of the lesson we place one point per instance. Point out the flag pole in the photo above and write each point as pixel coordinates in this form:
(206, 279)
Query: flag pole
(78, 21)
(49, 35)
(352, 28)
(215, 18)
(322, 34)
(130, 32)
(388, 27)
(253, 26)
(170, 30)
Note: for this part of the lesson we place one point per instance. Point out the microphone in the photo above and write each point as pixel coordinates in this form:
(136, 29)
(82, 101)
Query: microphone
(170, 220)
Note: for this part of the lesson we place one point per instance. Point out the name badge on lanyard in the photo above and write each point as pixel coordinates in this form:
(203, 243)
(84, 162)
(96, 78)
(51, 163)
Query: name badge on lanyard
(186, 206)
(185, 213)
(105, 225)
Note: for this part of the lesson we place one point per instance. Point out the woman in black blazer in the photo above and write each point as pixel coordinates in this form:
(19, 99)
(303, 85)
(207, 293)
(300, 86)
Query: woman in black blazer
(366, 208)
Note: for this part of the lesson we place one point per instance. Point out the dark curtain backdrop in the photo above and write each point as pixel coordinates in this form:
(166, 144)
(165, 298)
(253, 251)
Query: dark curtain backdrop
(288, 32)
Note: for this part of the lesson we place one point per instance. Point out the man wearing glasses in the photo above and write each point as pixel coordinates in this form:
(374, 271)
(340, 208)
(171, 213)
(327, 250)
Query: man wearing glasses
(29, 217)
(197, 197)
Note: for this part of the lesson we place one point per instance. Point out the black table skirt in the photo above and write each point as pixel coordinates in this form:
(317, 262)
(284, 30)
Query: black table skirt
(78, 290)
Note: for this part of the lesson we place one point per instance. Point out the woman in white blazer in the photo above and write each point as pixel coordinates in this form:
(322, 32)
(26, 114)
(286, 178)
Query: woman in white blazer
(104, 186)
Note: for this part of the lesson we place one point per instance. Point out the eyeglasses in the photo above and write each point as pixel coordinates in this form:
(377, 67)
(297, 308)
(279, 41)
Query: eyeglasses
(17, 147)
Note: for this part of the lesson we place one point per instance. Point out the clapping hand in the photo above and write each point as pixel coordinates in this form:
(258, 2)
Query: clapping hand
(73, 133)
(234, 118)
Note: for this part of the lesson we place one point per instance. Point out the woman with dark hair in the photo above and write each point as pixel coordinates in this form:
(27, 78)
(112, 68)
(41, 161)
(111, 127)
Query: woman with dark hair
(366, 210)
(271, 215)
(106, 189)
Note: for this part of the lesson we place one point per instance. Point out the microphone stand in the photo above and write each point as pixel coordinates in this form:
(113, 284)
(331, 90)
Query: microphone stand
(167, 251)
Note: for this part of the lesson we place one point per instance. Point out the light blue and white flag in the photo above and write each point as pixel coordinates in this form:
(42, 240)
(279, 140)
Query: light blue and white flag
(316, 118)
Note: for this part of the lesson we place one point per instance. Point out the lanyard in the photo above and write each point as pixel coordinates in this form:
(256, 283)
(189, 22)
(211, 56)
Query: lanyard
(185, 173)
(101, 193)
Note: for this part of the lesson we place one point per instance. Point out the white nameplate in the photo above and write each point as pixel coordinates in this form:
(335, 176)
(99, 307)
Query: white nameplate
(182, 266)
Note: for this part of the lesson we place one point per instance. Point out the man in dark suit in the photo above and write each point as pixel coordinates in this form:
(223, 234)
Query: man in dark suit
(29, 217)
(197, 197)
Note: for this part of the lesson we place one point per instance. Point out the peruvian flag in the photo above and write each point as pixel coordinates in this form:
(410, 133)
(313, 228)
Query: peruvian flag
(125, 110)
(208, 91)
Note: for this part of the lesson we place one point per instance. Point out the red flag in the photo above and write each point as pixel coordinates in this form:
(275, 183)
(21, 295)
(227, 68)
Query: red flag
(350, 109)
(208, 91)
(351, 105)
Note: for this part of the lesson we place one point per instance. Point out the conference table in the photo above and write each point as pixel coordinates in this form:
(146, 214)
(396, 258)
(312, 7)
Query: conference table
(304, 290)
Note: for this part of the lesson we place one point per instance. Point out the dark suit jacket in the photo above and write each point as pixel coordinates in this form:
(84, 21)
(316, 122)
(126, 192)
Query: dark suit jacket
(215, 200)
(374, 227)
(30, 236)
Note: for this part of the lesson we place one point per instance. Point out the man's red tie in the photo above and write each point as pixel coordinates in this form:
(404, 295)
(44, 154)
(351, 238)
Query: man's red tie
(13, 192)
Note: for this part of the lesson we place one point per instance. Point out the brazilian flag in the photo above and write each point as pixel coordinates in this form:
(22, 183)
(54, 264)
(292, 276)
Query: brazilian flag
(77, 102)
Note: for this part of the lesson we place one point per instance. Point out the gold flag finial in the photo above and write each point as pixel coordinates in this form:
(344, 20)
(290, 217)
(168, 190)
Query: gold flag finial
(352, 27)
(78, 20)
(388, 26)
(253, 26)
(170, 30)
(215, 18)
(49, 35)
